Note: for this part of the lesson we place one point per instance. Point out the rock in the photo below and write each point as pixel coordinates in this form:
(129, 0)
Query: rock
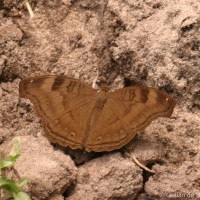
(2, 64)
(146, 152)
(67, 2)
(57, 197)
(49, 172)
(9, 31)
(182, 182)
(108, 177)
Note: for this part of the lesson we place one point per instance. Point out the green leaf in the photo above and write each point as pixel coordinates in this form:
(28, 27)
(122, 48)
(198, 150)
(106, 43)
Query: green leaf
(5, 163)
(21, 196)
(15, 151)
(3, 181)
(8, 161)
(22, 182)
(8, 185)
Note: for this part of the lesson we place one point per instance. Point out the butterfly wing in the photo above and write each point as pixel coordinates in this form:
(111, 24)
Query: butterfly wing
(64, 105)
(126, 112)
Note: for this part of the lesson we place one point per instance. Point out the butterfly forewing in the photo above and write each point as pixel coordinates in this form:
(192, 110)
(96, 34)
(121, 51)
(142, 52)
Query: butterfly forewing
(140, 105)
(64, 105)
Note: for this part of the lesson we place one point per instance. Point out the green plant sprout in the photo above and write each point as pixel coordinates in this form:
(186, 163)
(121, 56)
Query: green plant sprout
(8, 188)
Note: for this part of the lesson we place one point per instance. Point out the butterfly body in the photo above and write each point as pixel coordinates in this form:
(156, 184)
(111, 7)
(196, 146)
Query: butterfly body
(96, 111)
(74, 114)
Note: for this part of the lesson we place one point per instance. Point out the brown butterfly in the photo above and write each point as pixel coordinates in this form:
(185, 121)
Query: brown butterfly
(74, 114)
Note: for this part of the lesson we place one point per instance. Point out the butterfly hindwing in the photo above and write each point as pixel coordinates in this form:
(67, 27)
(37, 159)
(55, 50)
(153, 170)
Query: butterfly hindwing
(126, 112)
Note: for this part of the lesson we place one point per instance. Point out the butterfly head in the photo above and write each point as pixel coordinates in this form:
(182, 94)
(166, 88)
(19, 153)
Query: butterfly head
(104, 88)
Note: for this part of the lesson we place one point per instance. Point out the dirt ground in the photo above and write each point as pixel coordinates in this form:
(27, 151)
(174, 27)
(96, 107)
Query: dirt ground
(149, 42)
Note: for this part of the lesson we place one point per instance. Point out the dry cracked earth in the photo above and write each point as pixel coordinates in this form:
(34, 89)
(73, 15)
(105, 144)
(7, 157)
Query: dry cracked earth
(145, 42)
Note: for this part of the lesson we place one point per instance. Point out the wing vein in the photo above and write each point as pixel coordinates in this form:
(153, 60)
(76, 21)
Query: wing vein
(114, 109)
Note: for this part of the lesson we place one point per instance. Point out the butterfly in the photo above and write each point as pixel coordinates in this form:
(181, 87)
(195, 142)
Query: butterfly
(74, 114)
